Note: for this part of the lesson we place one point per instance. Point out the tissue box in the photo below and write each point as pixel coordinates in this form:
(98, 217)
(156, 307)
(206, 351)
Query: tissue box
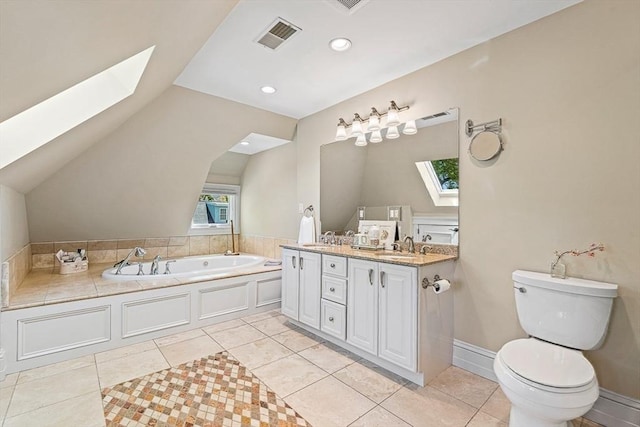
(68, 267)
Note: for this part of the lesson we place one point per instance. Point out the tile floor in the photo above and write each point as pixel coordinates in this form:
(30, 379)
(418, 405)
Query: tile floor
(327, 385)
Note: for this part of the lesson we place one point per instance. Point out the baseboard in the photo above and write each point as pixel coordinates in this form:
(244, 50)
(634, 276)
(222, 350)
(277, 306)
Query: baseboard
(611, 409)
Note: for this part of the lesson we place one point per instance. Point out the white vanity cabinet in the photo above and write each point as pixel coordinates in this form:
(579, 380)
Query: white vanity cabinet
(334, 296)
(382, 311)
(301, 286)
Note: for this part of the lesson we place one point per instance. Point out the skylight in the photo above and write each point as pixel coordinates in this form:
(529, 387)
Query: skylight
(441, 179)
(42, 123)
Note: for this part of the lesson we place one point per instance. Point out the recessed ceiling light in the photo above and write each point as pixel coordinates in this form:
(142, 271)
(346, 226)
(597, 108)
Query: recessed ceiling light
(268, 89)
(244, 143)
(340, 44)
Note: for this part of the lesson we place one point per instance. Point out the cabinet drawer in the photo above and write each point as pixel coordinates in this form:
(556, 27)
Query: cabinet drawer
(333, 319)
(334, 289)
(334, 265)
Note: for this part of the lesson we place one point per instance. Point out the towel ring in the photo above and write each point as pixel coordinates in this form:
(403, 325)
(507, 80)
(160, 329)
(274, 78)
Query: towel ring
(308, 209)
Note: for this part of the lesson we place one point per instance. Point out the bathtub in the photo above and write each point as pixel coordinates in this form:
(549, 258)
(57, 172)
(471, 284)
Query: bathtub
(187, 267)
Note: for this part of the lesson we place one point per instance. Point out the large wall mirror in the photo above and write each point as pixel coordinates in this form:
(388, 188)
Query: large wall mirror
(416, 175)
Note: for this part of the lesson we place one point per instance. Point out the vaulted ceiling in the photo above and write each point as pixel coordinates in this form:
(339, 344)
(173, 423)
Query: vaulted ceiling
(47, 46)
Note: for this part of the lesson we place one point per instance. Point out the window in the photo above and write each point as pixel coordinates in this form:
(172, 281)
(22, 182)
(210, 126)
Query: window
(217, 206)
(441, 179)
(36, 126)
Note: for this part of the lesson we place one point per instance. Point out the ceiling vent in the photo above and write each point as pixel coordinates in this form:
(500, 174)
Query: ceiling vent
(348, 7)
(279, 32)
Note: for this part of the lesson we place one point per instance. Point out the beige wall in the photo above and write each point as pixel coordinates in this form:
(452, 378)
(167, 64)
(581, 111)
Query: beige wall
(14, 231)
(567, 87)
(144, 178)
(268, 199)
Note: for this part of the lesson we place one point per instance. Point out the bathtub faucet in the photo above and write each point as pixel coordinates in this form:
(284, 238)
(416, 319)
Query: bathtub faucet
(137, 251)
(154, 265)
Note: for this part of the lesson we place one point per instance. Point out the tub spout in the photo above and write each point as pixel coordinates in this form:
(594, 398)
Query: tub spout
(154, 265)
(137, 251)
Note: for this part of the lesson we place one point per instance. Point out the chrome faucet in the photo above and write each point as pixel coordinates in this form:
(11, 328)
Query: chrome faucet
(166, 266)
(137, 251)
(424, 249)
(330, 237)
(154, 265)
(412, 248)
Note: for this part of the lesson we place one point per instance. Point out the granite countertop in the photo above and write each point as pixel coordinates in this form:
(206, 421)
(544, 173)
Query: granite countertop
(391, 257)
(44, 286)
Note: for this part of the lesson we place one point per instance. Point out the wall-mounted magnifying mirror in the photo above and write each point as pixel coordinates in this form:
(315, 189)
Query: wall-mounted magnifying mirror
(485, 145)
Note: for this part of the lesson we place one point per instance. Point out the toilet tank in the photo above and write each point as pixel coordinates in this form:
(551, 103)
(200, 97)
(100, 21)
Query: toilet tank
(570, 312)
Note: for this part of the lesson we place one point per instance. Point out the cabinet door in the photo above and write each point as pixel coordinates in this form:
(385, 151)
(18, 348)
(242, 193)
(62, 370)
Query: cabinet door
(310, 288)
(362, 305)
(290, 283)
(398, 315)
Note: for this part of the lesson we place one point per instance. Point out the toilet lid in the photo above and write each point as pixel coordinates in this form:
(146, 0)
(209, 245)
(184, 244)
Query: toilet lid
(546, 363)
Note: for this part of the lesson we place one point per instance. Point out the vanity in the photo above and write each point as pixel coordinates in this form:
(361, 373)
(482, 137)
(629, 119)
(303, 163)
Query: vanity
(380, 305)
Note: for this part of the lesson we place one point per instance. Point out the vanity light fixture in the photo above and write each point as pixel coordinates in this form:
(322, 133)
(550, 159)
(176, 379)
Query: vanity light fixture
(392, 132)
(410, 128)
(374, 125)
(374, 120)
(361, 140)
(341, 133)
(356, 125)
(393, 115)
(268, 89)
(376, 136)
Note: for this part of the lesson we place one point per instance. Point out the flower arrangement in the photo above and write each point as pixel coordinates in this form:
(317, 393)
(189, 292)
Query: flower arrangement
(558, 269)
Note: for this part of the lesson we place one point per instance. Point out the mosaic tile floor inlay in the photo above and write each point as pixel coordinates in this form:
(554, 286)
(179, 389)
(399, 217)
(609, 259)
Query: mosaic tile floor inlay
(213, 391)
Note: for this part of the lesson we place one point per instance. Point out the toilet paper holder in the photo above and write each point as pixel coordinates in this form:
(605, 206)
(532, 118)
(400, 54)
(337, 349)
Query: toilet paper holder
(426, 283)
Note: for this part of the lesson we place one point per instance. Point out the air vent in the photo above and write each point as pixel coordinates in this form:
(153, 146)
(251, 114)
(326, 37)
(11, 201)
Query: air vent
(347, 6)
(278, 32)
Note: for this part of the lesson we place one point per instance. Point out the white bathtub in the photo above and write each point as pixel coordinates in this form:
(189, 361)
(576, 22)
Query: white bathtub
(187, 267)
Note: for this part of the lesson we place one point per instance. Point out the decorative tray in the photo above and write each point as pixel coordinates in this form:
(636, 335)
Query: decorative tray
(368, 247)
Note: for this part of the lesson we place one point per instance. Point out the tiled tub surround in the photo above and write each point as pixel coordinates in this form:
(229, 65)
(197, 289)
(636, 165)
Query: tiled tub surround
(104, 251)
(12, 272)
(55, 317)
(111, 251)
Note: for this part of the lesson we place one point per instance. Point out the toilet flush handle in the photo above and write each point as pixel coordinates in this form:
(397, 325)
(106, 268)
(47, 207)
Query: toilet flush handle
(522, 289)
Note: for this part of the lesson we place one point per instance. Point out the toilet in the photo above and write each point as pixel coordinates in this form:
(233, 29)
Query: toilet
(545, 377)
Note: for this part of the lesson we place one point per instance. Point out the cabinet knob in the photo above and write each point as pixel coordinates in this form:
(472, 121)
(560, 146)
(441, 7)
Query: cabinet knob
(333, 265)
(331, 319)
(332, 289)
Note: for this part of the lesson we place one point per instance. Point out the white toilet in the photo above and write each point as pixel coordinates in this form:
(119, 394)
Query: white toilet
(546, 377)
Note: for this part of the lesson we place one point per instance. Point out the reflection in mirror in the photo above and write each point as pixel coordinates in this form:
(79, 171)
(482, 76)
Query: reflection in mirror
(395, 173)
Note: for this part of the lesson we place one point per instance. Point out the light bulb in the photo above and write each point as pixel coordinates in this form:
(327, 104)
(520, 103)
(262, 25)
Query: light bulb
(361, 140)
(393, 115)
(392, 132)
(374, 120)
(356, 126)
(376, 136)
(410, 128)
(341, 131)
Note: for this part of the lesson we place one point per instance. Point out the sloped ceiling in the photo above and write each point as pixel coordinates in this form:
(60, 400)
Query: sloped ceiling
(47, 46)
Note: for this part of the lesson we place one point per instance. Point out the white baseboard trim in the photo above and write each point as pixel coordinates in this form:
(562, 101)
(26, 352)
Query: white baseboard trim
(611, 409)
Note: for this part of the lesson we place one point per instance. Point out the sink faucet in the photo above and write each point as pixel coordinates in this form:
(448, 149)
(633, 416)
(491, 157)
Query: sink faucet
(424, 249)
(137, 251)
(154, 265)
(330, 237)
(412, 248)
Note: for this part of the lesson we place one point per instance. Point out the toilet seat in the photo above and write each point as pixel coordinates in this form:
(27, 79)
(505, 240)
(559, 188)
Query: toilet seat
(547, 366)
